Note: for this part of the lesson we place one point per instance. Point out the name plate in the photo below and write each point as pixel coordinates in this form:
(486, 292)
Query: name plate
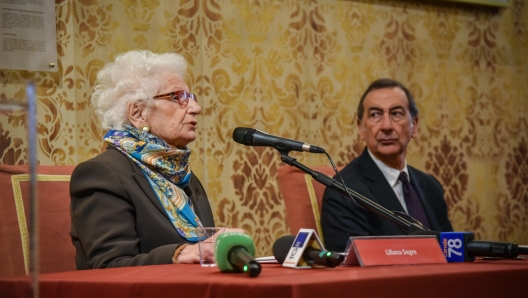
(393, 250)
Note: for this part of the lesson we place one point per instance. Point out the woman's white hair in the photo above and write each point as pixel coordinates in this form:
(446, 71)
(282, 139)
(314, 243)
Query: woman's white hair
(134, 76)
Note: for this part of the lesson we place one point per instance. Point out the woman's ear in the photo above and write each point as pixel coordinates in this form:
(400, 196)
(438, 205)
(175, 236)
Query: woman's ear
(136, 114)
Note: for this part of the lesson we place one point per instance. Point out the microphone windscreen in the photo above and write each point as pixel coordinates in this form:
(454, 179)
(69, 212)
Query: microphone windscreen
(281, 247)
(227, 241)
(243, 135)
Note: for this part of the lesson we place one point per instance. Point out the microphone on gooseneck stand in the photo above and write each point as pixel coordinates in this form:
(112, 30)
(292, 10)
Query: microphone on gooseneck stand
(457, 246)
(253, 137)
(313, 256)
(235, 252)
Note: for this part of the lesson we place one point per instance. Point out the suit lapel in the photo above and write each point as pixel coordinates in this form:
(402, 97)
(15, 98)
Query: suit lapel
(147, 189)
(378, 185)
(419, 188)
(137, 174)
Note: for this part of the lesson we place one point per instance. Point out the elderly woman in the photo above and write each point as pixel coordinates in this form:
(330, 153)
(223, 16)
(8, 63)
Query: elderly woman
(138, 203)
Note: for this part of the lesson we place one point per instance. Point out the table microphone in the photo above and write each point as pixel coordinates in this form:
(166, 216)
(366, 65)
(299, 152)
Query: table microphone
(235, 252)
(281, 247)
(461, 247)
(312, 256)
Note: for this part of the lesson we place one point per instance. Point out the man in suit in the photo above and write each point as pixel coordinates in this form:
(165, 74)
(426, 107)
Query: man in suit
(387, 121)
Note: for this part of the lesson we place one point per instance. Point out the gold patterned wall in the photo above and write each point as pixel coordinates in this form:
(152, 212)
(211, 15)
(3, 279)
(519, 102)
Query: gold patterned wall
(296, 69)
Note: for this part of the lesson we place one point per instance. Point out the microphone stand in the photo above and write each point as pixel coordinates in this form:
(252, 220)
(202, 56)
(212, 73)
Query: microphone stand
(409, 227)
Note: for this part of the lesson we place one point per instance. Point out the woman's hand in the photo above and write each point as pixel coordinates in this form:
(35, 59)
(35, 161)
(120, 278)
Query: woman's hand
(191, 252)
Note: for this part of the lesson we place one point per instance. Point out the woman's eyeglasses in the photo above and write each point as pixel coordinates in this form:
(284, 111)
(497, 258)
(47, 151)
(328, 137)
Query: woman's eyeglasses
(182, 97)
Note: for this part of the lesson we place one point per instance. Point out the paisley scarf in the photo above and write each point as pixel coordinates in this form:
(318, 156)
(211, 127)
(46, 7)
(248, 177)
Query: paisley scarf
(167, 169)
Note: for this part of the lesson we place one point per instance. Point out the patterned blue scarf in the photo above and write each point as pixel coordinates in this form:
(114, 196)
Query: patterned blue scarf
(167, 169)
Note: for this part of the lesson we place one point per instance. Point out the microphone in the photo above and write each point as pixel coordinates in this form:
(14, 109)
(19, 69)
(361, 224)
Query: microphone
(312, 256)
(461, 247)
(281, 247)
(234, 252)
(253, 137)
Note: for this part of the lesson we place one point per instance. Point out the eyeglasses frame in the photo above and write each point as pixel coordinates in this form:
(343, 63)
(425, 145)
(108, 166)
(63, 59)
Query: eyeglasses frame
(180, 96)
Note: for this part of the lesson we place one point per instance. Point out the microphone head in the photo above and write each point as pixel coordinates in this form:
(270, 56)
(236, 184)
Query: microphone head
(281, 247)
(227, 241)
(244, 135)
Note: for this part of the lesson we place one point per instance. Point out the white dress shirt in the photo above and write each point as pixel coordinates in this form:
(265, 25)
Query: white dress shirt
(392, 174)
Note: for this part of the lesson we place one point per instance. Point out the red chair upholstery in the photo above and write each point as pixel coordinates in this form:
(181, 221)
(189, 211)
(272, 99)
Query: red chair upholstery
(57, 253)
(303, 197)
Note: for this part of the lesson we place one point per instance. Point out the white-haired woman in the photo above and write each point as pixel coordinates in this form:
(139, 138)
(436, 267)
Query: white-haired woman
(138, 203)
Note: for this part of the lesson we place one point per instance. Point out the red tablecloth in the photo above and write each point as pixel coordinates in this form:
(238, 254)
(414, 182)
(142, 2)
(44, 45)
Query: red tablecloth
(483, 278)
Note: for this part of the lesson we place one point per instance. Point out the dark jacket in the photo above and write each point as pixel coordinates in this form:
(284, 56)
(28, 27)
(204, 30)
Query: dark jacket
(117, 219)
(341, 217)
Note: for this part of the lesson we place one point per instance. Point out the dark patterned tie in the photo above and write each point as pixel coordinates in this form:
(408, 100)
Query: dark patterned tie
(414, 205)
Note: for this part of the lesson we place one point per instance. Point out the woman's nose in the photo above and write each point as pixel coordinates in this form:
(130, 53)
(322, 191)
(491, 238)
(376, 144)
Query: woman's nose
(194, 107)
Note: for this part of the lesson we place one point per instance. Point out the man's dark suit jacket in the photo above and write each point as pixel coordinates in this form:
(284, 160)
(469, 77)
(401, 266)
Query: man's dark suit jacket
(117, 219)
(341, 217)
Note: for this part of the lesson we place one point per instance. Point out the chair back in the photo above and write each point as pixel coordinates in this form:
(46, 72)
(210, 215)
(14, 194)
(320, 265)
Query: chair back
(56, 251)
(303, 197)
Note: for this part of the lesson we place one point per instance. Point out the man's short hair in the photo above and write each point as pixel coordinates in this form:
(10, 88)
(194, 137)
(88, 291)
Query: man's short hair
(388, 83)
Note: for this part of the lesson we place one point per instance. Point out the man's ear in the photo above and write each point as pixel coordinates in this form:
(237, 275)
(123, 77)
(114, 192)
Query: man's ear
(136, 114)
(361, 129)
(414, 127)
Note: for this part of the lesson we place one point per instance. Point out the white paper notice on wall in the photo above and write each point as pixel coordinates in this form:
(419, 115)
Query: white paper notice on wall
(28, 35)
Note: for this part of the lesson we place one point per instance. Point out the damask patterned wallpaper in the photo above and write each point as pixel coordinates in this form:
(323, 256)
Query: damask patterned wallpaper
(296, 68)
